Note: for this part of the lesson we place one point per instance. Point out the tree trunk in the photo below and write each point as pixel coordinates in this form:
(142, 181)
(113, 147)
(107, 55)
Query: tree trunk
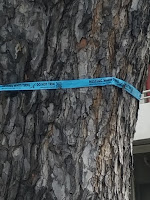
(72, 144)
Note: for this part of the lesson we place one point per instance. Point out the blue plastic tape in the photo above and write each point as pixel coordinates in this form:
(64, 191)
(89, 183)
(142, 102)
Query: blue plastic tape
(52, 85)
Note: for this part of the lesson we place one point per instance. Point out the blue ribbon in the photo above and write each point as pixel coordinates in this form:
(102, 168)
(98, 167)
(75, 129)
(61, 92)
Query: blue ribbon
(43, 85)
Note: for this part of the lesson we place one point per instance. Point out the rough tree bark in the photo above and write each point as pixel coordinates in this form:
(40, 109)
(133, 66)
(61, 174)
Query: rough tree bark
(72, 144)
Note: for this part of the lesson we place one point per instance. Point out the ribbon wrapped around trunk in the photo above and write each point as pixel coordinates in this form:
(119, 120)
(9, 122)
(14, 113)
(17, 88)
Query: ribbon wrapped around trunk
(65, 84)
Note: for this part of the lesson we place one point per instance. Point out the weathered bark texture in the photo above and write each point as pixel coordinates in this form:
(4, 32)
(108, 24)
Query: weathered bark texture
(72, 144)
